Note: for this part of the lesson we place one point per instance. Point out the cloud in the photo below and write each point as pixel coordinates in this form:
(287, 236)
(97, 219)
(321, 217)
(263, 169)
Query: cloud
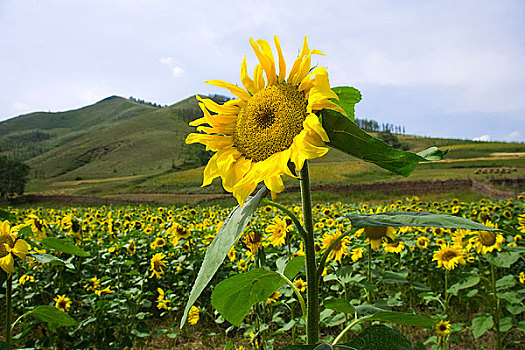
(513, 136)
(177, 71)
(166, 60)
(485, 138)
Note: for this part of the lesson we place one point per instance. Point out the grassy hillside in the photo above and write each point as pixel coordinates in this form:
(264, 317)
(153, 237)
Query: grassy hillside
(146, 144)
(32, 134)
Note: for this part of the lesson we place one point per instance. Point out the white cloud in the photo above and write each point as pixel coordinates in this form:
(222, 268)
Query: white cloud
(513, 136)
(166, 60)
(177, 71)
(482, 138)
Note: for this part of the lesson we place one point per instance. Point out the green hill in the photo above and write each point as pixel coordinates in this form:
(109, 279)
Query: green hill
(30, 135)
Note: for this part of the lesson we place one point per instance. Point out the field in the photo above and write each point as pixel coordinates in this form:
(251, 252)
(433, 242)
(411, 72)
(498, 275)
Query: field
(142, 260)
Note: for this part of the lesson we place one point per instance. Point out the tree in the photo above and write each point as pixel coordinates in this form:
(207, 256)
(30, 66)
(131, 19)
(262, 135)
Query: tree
(13, 176)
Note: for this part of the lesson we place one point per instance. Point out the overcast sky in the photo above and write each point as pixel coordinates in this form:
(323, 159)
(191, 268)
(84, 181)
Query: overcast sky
(440, 68)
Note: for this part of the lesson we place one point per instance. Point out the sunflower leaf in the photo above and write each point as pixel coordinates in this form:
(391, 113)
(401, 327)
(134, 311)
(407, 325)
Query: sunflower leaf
(64, 246)
(235, 296)
(51, 314)
(403, 318)
(348, 97)
(380, 337)
(230, 231)
(415, 219)
(346, 136)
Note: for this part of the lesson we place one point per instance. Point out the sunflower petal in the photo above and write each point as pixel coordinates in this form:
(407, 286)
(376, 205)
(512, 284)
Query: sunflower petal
(245, 78)
(21, 249)
(7, 263)
(211, 171)
(264, 54)
(312, 122)
(234, 89)
(212, 142)
(217, 108)
(282, 62)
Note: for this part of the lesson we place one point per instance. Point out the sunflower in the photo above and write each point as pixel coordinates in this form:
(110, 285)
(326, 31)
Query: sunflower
(193, 315)
(422, 242)
(157, 263)
(376, 234)
(357, 254)
(9, 245)
(157, 243)
(522, 277)
(339, 249)
(277, 232)
(486, 241)
(274, 297)
(253, 241)
(300, 284)
(449, 257)
(25, 278)
(269, 126)
(443, 328)
(131, 247)
(62, 302)
(162, 302)
(394, 247)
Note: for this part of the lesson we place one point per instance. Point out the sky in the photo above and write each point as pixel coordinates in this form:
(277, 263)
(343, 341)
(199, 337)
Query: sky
(439, 68)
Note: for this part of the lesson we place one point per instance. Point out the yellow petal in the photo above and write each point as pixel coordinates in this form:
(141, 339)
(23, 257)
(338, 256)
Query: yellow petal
(258, 78)
(312, 122)
(304, 69)
(305, 49)
(282, 62)
(234, 89)
(7, 263)
(233, 174)
(245, 78)
(317, 106)
(241, 193)
(217, 108)
(211, 171)
(275, 184)
(263, 52)
(212, 142)
(21, 249)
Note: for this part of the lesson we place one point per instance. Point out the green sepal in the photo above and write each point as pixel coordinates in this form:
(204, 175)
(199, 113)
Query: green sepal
(347, 137)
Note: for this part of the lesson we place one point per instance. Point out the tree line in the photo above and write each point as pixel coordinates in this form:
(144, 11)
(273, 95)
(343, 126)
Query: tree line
(13, 176)
(138, 100)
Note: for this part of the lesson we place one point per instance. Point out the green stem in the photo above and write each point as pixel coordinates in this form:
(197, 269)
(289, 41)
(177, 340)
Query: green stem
(297, 293)
(368, 273)
(495, 305)
(325, 255)
(8, 308)
(446, 293)
(312, 318)
(354, 322)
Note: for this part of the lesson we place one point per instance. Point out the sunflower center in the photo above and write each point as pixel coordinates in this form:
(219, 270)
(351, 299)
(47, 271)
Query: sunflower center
(487, 238)
(270, 121)
(5, 239)
(448, 255)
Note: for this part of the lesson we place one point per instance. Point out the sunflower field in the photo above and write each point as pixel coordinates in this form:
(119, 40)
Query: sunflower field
(119, 277)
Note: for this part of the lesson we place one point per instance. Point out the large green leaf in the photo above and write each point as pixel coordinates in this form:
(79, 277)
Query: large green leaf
(379, 337)
(235, 296)
(348, 97)
(339, 305)
(229, 233)
(346, 136)
(464, 283)
(481, 324)
(64, 245)
(293, 267)
(50, 259)
(415, 219)
(403, 319)
(52, 315)
(503, 259)
(6, 215)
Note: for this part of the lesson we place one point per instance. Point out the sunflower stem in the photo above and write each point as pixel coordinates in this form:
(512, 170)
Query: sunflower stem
(8, 308)
(496, 309)
(312, 318)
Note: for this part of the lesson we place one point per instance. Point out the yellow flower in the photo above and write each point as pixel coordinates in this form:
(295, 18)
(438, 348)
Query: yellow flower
(278, 232)
(300, 284)
(357, 254)
(376, 234)
(38, 226)
(157, 263)
(339, 249)
(274, 297)
(422, 242)
(270, 124)
(131, 248)
(193, 315)
(25, 278)
(157, 243)
(95, 284)
(522, 277)
(487, 241)
(62, 302)
(449, 257)
(162, 302)
(253, 241)
(443, 328)
(394, 247)
(106, 290)
(9, 245)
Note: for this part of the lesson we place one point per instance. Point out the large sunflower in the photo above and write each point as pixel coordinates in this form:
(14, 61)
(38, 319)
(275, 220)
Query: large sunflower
(270, 125)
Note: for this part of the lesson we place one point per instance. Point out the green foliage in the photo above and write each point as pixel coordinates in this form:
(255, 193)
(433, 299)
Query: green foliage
(229, 233)
(379, 338)
(418, 219)
(52, 315)
(348, 97)
(64, 245)
(13, 176)
(481, 324)
(346, 136)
